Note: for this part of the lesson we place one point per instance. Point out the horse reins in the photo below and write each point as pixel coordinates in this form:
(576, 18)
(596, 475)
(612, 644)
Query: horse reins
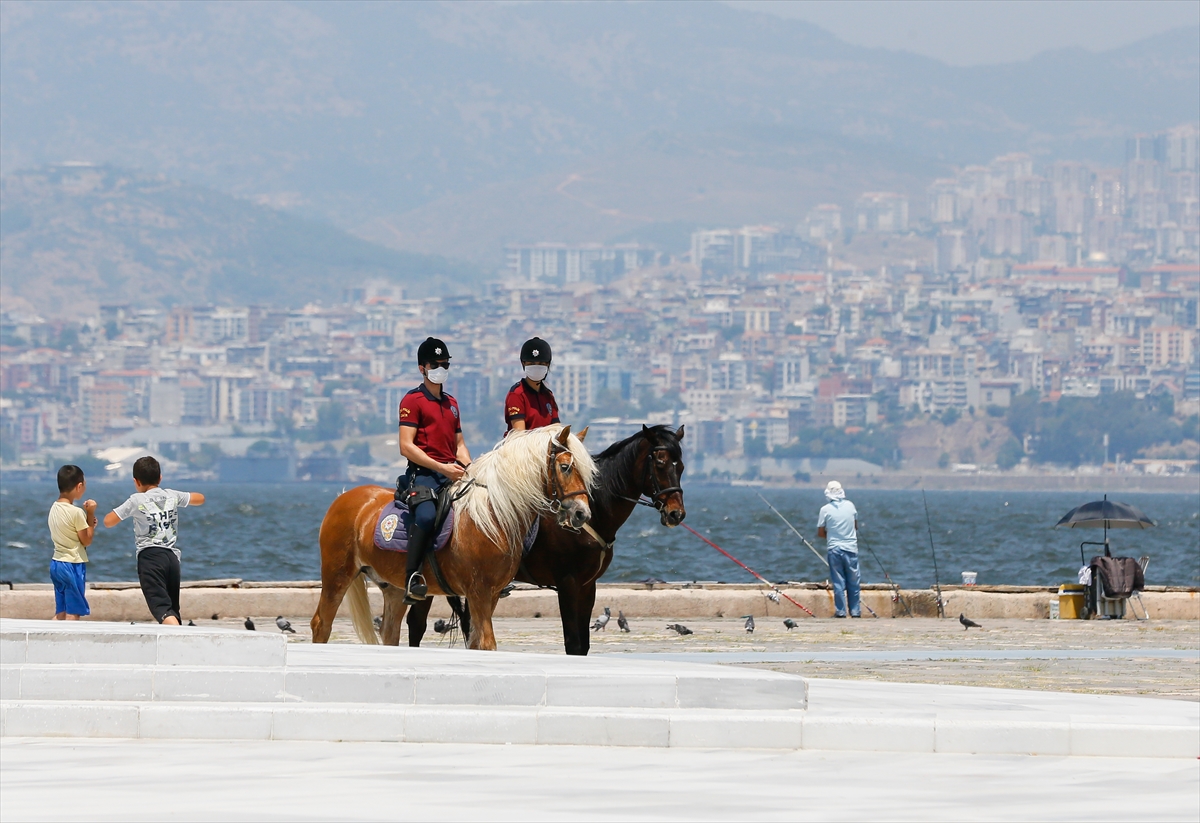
(558, 495)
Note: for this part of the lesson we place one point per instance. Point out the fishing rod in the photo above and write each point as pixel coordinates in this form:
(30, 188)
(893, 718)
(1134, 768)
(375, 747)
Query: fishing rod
(936, 582)
(793, 528)
(760, 578)
(886, 576)
(804, 540)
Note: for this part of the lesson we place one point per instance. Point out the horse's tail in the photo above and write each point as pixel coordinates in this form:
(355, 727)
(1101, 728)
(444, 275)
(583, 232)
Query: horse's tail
(360, 611)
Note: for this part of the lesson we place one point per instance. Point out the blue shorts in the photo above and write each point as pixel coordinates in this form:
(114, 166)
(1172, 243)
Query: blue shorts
(70, 580)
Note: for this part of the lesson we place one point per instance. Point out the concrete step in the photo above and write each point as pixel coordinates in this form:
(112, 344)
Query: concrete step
(91, 642)
(97, 680)
(947, 732)
(439, 683)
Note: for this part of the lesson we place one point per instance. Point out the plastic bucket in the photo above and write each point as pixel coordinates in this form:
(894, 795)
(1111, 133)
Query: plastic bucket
(969, 578)
(1070, 601)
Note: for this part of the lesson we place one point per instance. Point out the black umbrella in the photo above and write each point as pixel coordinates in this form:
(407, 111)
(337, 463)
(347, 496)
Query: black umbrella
(1106, 514)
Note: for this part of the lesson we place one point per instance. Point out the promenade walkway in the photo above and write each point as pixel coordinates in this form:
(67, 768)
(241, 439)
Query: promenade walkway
(257, 727)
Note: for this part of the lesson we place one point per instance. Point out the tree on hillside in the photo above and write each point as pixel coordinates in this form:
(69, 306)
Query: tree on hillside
(331, 421)
(1072, 430)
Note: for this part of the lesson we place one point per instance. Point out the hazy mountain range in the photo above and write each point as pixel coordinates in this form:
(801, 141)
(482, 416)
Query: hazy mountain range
(72, 238)
(453, 128)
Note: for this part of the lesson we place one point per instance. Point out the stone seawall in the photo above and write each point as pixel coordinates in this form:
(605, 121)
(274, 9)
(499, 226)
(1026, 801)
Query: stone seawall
(200, 600)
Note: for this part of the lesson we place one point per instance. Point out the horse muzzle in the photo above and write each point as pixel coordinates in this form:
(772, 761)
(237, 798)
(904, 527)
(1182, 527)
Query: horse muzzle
(672, 517)
(573, 514)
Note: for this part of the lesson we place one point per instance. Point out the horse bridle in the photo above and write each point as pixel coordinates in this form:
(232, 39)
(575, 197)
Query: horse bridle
(558, 495)
(657, 499)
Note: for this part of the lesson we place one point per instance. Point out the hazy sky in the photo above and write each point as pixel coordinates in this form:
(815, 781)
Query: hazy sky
(987, 31)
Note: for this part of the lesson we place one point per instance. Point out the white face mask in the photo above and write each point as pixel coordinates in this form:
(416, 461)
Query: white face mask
(437, 376)
(537, 372)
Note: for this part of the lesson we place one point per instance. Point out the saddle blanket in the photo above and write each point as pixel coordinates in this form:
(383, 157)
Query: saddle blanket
(391, 529)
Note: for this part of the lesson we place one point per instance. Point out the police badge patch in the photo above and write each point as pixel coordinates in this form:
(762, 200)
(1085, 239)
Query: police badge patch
(387, 527)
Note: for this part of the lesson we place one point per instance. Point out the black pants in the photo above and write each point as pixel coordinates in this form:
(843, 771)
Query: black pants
(158, 572)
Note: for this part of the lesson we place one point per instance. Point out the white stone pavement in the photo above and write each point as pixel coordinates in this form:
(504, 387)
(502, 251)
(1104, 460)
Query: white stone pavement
(156, 780)
(92, 679)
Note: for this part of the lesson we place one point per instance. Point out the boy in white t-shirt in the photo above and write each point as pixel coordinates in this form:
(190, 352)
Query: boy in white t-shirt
(72, 530)
(155, 514)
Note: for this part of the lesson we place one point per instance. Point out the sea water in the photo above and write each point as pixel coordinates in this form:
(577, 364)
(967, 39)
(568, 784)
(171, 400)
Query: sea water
(269, 532)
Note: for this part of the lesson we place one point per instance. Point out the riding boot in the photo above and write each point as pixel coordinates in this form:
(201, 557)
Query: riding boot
(415, 589)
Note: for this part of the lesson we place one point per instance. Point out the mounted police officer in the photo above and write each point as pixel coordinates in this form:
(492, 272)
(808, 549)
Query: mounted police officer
(530, 404)
(431, 440)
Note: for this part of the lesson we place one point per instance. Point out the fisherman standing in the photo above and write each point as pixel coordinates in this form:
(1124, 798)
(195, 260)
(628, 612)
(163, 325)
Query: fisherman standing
(431, 440)
(530, 404)
(837, 525)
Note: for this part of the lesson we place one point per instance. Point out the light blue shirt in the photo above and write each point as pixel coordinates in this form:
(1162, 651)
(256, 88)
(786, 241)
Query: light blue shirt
(837, 516)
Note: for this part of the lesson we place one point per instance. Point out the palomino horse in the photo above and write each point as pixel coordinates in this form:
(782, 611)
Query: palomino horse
(544, 472)
(649, 464)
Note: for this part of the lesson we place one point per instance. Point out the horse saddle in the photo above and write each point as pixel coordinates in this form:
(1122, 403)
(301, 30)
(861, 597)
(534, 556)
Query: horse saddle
(391, 529)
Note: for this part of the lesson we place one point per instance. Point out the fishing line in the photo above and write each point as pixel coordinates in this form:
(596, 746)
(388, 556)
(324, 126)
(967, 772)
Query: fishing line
(936, 582)
(886, 576)
(760, 578)
(804, 540)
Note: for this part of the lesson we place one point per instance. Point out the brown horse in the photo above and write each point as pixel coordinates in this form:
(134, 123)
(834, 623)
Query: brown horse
(544, 472)
(647, 465)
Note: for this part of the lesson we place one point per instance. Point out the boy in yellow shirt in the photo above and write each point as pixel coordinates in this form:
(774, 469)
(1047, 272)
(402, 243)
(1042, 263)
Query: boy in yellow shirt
(72, 530)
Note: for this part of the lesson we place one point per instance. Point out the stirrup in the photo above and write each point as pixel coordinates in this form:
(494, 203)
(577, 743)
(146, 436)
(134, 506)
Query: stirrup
(416, 590)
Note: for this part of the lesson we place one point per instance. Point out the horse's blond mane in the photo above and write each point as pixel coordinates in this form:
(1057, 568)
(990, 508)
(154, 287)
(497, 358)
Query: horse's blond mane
(509, 488)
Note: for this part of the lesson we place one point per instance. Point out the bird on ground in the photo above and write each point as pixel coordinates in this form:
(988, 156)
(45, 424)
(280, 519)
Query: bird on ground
(749, 618)
(679, 628)
(216, 617)
(968, 623)
(249, 624)
(283, 625)
(190, 623)
(378, 621)
(603, 619)
(441, 626)
(790, 623)
(622, 623)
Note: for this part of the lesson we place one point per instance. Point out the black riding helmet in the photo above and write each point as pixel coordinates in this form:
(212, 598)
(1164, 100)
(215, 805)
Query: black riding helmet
(432, 351)
(535, 350)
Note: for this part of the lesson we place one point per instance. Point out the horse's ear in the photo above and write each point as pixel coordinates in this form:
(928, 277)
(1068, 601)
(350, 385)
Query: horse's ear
(645, 428)
(563, 435)
(582, 434)
(679, 434)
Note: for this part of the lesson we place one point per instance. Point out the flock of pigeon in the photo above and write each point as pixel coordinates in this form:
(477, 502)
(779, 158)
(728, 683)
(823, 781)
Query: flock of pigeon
(623, 622)
(443, 627)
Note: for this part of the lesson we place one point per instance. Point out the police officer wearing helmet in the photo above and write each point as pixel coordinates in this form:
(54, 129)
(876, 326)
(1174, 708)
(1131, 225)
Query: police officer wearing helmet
(431, 441)
(530, 404)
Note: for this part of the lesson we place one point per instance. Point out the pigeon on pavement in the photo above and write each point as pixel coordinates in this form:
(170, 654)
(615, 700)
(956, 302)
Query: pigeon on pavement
(679, 628)
(190, 623)
(249, 624)
(749, 618)
(378, 621)
(603, 619)
(216, 617)
(967, 622)
(283, 625)
(441, 626)
(790, 623)
(622, 623)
